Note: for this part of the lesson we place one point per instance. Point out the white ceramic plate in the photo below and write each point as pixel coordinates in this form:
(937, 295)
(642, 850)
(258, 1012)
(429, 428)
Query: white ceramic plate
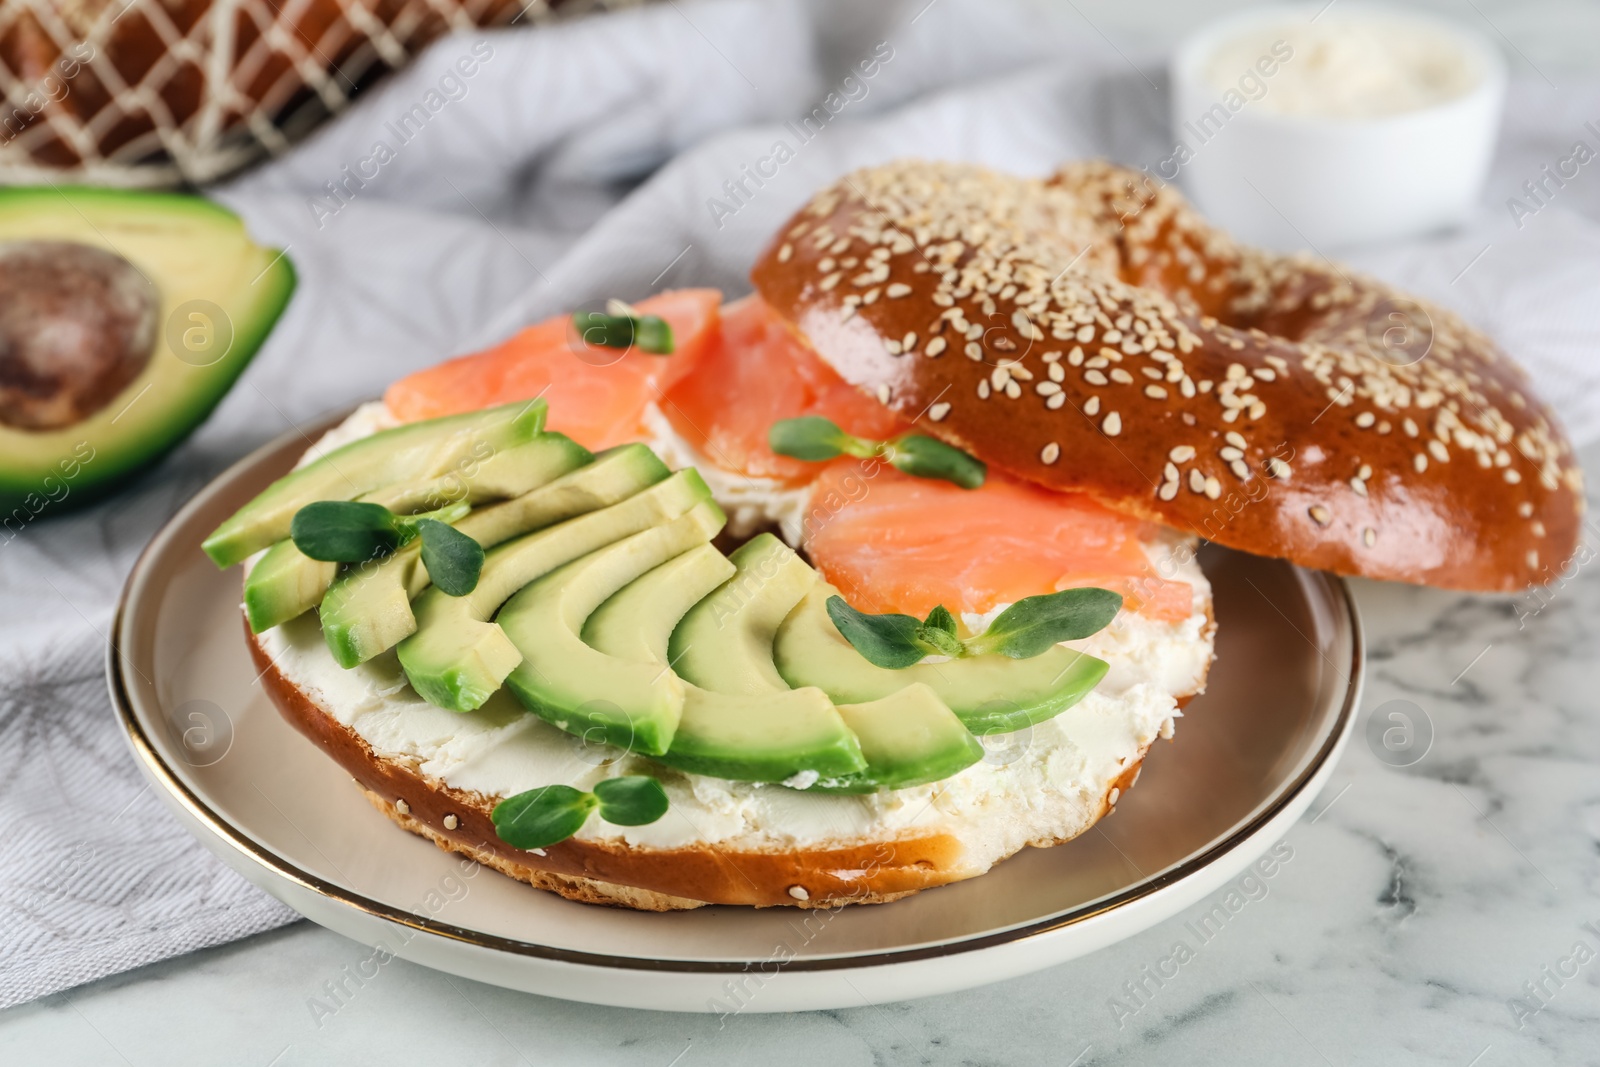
(1248, 758)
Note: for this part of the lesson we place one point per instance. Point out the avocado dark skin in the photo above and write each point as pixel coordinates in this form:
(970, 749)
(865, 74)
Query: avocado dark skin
(77, 324)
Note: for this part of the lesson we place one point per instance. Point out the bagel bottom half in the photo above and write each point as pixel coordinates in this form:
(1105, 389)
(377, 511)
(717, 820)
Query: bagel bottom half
(439, 775)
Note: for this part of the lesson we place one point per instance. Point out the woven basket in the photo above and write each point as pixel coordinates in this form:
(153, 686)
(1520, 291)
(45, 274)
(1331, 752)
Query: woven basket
(167, 92)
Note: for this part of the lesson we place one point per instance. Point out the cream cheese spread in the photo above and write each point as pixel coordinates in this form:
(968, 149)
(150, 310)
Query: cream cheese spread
(1037, 786)
(1349, 65)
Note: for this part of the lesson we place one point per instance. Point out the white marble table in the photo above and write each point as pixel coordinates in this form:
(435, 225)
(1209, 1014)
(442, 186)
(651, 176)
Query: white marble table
(1430, 914)
(1418, 903)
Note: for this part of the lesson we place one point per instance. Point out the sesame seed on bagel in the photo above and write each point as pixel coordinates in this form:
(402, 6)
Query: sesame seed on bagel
(1091, 332)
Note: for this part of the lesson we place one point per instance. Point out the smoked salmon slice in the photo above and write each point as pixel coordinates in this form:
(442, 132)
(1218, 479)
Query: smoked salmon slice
(894, 543)
(758, 374)
(597, 395)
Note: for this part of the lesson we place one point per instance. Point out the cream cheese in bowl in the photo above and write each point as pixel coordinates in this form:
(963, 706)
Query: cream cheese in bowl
(1333, 126)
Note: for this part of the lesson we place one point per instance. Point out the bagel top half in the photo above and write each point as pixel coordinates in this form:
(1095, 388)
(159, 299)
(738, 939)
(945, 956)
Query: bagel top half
(1090, 332)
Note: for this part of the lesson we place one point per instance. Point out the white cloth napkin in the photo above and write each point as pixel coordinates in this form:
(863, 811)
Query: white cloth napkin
(525, 171)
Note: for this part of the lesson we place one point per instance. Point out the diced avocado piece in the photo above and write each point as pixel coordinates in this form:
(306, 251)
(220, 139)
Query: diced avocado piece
(368, 610)
(988, 693)
(633, 704)
(296, 583)
(907, 738)
(416, 451)
(284, 584)
(740, 719)
(724, 643)
(458, 658)
(637, 622)
(213, 294)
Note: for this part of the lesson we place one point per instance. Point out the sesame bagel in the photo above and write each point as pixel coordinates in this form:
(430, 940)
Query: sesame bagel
(1091, 332)
(838, 853)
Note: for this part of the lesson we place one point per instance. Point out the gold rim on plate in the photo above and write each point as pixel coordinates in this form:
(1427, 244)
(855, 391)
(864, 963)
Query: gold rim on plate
(162, 772)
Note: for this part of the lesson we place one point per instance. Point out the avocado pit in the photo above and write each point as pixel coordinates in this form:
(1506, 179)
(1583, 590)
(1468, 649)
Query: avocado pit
(77, 324)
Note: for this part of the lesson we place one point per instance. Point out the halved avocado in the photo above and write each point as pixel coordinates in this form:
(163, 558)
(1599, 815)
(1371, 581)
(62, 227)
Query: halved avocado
(124, 318)
(989, 694)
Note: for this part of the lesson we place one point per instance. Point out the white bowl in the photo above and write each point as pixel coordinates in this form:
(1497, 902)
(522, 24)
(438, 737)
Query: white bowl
(1287, 180)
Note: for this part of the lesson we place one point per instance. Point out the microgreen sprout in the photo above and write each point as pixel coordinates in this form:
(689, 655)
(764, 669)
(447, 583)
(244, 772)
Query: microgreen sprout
(1024, 630)
(816, 439)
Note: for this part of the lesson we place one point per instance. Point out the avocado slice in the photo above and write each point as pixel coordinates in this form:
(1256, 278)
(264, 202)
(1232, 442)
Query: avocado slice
(430, 449)
(763, 737)
(637, 622)
(293, 583)
(990, 694)
(907, 738)
(724, 643)
(740, 719)
(633, 704)
(457, 658)
(213, 297)
(505, 474)
(284, 584)
(368, 610)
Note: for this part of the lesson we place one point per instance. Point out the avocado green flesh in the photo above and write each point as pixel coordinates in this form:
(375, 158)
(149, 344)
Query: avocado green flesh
(907, 738)
(458, 658)
(368, 610)
(192, 250)
(633, 704)
(724, 643)
(284, 584)
(501, 476)
(762, 739)
(296, 583)
(637, 622)
(988, 693)
(740, 719)
(414, 452)
(753, 738)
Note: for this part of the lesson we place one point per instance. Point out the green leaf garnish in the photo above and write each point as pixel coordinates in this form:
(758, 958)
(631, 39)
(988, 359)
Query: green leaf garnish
(354, 531)
(814, 439)
(552, 813)
(448, 514)
(634, 800)
(1034, 623)
(885, 640)
(542, 816)
(344, 531)
(453, 559)
(941, 619)
(1026, 629)
(929, 457)
(942, 641)
(649, 333)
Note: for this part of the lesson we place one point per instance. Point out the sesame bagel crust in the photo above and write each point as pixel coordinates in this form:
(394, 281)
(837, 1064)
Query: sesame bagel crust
(1091, 333)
